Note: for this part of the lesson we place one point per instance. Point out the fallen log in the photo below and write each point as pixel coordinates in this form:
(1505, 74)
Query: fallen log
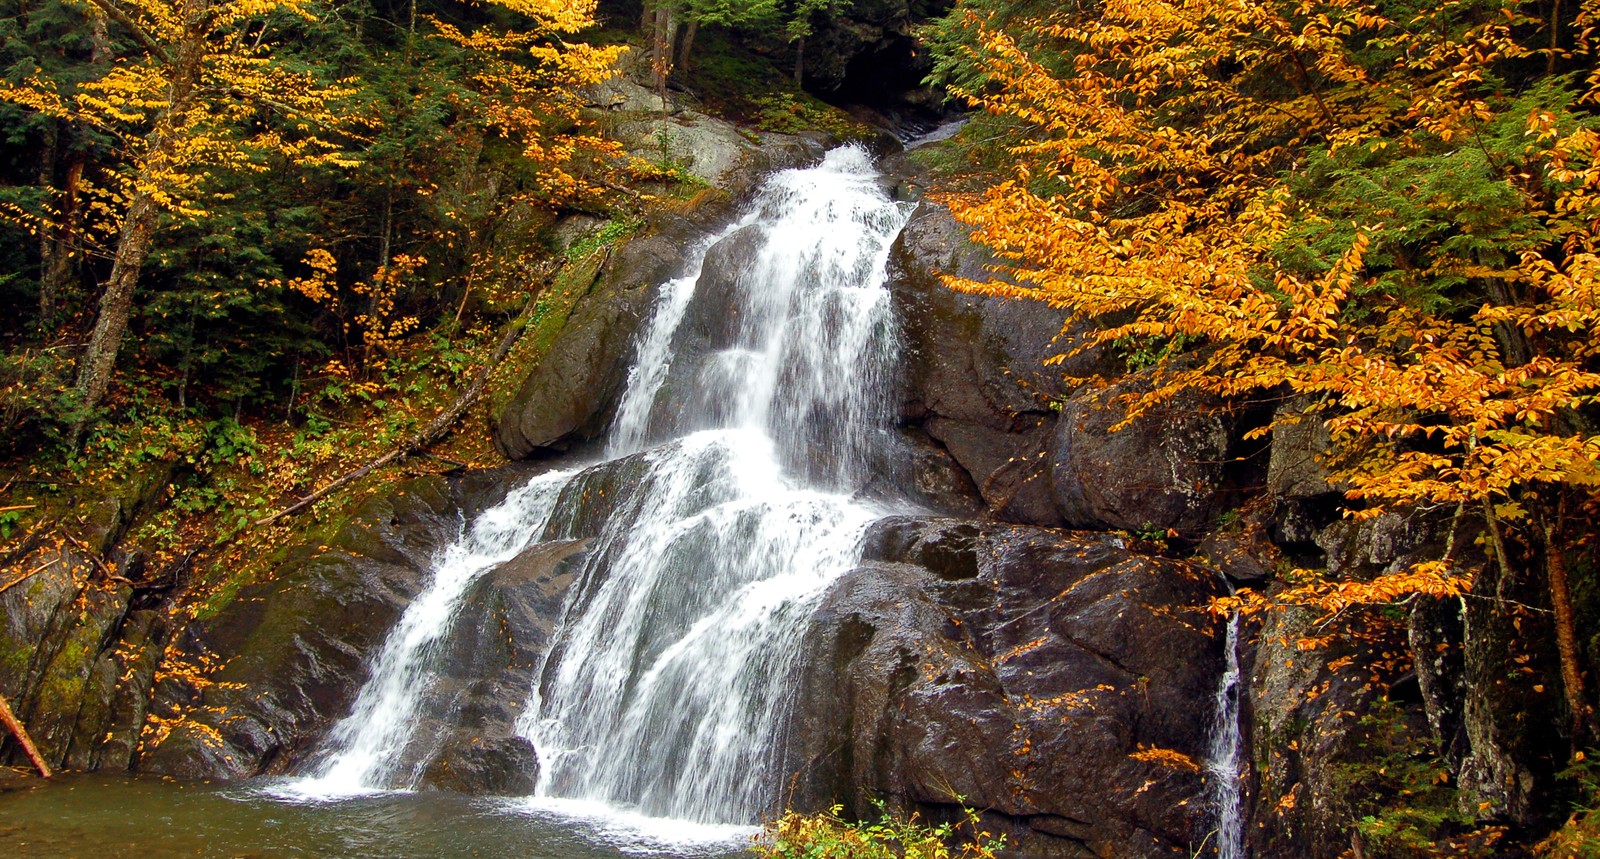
(21, 733)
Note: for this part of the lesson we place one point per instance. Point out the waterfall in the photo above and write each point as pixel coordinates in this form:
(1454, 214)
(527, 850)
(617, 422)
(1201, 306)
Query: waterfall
(1225, 796)
(759, 404)
(366, 745)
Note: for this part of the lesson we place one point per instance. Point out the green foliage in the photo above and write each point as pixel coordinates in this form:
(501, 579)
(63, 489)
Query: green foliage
(1139, 353)
(1579, 837)
(1435, 213)
(10, 518)
(959, 54)
(611, 232)
(1406, 803)
(830, 836)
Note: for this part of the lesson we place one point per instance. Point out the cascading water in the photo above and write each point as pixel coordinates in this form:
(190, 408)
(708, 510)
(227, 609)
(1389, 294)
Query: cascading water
(1226, 746)
(366, 745)
(758, 406)
(666, 689)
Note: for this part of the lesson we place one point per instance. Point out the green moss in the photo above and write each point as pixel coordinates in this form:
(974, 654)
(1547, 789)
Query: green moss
(545, 323)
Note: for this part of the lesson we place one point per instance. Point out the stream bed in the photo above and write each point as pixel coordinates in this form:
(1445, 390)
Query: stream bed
(111, 817)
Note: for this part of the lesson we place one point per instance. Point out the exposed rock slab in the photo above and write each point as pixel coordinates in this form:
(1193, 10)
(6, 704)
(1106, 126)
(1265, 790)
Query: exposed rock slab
(1167, 469)
(257, 683)
(1022, 671)
(976, 381)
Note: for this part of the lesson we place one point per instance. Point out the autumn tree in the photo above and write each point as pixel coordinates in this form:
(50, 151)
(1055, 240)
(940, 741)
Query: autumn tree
(1386, 210)
(187, 102)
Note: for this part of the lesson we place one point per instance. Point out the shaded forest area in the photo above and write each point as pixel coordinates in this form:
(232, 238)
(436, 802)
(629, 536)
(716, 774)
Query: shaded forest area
(259, 243)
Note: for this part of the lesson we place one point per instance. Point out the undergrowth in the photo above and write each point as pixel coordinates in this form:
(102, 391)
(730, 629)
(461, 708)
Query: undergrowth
(829, 836)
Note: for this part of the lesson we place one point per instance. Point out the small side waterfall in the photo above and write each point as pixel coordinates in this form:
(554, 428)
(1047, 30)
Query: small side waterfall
(366, 745)
(758, 406)
(1223, 758)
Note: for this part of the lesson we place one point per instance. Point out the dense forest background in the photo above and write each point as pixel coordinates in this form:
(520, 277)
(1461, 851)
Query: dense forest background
(271, 239)
(250, 246)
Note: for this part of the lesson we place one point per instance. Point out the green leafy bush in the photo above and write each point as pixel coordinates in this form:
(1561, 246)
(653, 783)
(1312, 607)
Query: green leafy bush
(830, 836)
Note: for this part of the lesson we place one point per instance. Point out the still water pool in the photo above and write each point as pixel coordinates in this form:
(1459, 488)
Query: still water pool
(101, 817)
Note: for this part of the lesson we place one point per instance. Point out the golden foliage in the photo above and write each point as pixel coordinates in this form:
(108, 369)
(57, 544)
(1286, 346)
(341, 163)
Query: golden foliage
(529, 82)
(1169, 758)
(1160, 193)
(191, 103)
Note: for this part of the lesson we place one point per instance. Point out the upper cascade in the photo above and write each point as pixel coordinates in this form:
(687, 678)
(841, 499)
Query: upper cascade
(759, 404)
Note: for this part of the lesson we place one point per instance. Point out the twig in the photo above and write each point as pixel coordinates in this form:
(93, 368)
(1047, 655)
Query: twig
(28, 575)
(95, 559)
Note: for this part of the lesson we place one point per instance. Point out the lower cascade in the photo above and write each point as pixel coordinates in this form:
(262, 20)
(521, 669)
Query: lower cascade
(728, 500)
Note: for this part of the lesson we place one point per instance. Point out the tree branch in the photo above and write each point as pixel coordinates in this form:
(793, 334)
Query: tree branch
(139, 33)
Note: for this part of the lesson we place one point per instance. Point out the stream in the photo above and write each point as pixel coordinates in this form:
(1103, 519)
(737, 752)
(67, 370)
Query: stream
(727, 499)
(112, 817)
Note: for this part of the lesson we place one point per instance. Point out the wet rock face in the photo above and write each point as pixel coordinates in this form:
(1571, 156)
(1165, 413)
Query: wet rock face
(1024, 671)
(470, 741)
(566, 398)
(976, 384)
(1167, 469)
(293, 650)
(569, 396)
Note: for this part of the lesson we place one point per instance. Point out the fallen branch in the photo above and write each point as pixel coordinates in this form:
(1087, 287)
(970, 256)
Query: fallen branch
(430, 434)
(28, 575)
(98, 562)
(21, 734)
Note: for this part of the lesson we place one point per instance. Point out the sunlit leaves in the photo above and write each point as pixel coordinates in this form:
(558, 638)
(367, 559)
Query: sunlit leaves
(1337, 199)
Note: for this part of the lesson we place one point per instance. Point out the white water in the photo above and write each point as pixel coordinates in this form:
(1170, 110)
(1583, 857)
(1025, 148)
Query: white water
(1223, 758)
(367, 744)
(725, 509)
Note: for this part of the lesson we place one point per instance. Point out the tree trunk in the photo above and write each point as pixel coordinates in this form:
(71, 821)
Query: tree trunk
(799, 62)
(138, 226)
(1579, 712)
(1491, 773)
(47, 244)
(116, 306)
(687, 46)
(63, 246)
(665, 33)
(1555, 37)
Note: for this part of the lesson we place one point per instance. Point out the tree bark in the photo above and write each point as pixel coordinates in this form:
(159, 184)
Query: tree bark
(21, 733)
(687, 46)
(1579, 713)
(665, 34)
(116, 306)
(1555, 37)
(799, 61)
(47, 244)
(138, 226)
(58, 268)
